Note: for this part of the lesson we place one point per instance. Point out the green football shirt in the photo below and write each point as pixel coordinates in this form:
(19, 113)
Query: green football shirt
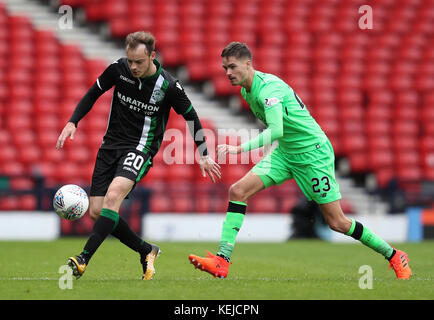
(286, 117)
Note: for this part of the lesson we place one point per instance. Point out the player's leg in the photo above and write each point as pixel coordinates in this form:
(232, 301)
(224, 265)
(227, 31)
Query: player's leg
(95, 206)
(267, 172)
(319, 184)
(334, 216)
(104, 209)
(337, 221)
(108, 218)
(104, 171)
(105, 223)
(239, 193)
(133, 166)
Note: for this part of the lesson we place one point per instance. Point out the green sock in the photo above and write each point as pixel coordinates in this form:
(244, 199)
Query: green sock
(231, 227)
(370, 239)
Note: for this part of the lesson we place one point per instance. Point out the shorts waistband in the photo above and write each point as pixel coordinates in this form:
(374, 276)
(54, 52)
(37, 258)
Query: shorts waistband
(310, 148)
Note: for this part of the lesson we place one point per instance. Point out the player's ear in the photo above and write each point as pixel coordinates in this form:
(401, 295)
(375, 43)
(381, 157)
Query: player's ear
(153, 55)
(248, 63)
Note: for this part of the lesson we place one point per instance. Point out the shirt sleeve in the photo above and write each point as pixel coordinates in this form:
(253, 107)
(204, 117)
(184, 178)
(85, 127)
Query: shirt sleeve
(178, 99)
(108, 78)
(103, 83)
(273, 110)
(196, 131)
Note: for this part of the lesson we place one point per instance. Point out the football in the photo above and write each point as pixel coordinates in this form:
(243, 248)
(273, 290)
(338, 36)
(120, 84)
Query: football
(70, 202)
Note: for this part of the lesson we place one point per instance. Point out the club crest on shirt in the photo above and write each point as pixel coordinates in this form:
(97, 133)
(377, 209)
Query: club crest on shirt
(157, 96)
(269, 102)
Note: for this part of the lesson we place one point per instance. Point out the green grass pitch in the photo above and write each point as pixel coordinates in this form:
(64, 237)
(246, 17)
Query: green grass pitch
(260, 271)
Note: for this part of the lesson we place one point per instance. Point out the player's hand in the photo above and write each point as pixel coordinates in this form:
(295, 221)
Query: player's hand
(68, 131)
(211, 167)
(224, 149)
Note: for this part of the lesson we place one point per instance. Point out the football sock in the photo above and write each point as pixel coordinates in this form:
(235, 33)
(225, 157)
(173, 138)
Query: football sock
(231, 226)
(370, 239)
(104, 225)
(128, 237)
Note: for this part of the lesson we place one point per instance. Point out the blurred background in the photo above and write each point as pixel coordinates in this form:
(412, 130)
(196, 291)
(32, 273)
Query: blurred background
(371, 90)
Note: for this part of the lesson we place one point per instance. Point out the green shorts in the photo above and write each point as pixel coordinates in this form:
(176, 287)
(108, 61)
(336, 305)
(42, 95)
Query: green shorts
(314, 172)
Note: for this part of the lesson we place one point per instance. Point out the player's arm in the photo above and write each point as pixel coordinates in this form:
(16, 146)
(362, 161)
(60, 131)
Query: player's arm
(207, 164)
(101, 85)
(274, 119)
(182, 105)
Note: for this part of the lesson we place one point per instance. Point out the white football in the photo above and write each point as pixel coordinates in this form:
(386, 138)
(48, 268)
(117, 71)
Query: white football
(70, 202)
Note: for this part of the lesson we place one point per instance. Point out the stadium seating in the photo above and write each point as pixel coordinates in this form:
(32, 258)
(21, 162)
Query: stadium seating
(370, 90)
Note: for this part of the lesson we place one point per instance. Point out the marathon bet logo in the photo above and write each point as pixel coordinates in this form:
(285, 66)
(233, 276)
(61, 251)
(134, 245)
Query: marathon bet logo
(137, 105)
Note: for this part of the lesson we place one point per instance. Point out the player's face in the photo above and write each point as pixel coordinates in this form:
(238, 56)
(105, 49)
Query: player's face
(140, 62)
(237, 70)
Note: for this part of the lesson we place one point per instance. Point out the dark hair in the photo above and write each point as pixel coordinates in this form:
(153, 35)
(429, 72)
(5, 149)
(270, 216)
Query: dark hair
(140, 37)
(238, 50)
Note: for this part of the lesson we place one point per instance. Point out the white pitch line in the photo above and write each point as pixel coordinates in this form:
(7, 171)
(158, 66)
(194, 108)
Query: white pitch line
(27, 279)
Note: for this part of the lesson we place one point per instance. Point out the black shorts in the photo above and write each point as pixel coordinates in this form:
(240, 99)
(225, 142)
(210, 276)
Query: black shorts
(128, 163)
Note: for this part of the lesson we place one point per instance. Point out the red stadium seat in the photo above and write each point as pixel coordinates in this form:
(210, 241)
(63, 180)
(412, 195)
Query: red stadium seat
(52, 156)
(353, 143)
(384, 176)
(78, 154)
(9, 203)
(21, 183)
(359, 161)
(29, 155)
(182, 204)
(405, 143)
(180, 173)
(405, 127)
(407, 158)
(233, 172)
(158, 172)
(27, 202)
(160, 203)
(222, 86)
(260, 204)
(381, 159)
(409, 174)
(12, 168)
(66, 173)
(377, 128)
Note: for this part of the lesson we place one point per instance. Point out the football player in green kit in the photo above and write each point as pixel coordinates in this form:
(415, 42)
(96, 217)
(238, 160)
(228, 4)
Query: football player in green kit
(304, 153)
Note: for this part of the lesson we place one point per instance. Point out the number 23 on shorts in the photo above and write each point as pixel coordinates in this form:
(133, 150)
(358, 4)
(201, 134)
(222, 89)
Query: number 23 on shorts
(320, 184)
(325, 189)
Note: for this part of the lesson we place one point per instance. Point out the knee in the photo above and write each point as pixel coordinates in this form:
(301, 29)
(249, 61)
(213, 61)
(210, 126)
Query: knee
(111, 198)
(236, 193)
(338, 225)
(94, 211)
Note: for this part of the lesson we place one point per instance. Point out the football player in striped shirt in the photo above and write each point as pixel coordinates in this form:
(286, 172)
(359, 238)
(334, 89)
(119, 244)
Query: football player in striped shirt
(143, 96)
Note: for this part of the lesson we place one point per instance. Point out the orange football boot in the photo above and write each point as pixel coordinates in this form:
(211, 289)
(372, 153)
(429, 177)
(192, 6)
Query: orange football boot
(214, 265)
(148, 264)
(399, 263)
